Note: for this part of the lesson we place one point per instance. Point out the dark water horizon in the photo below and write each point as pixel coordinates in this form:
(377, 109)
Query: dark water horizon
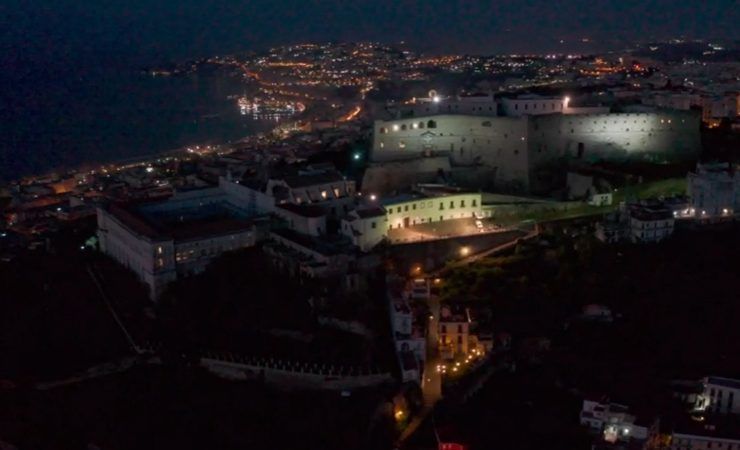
(60, 114)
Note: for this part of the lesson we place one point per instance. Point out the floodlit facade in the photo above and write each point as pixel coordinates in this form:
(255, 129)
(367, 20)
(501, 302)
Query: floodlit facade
(413, 209)
(518, 150)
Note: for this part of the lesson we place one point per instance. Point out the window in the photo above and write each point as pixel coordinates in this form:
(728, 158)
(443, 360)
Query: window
(487, 123)
(406, 208)
(441, 206)
(401, 144)
(383, 130)
(323, 194)
(462, 203)
(452, 204)
(159, 250)
(459, 328)
(443, 329)
(403, 127)
(413, 206)
(421, 124)
(398, 209)
(382, 145)
(475, 202)
(372, 224)
(516, 106)
(431, 124)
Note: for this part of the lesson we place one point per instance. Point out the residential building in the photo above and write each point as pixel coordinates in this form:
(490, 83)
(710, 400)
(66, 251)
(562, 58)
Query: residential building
(719, 396)
(453, 332)
(714, 192)
(650, 224)
(612, 421)
(161, 241)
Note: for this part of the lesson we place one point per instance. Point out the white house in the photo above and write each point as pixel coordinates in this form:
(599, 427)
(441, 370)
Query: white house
(613, 421)
(720, 396)
(648, 224)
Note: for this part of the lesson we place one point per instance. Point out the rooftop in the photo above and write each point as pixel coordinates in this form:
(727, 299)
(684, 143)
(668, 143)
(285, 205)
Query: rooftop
(724, 382)
(181, 224)
(303, 210)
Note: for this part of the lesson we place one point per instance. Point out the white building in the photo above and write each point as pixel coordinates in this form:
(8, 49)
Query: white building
(647, 224)
(161, 241)
(408, 338)
(637, 223)
(714, 192)
(479, 104)
(429, 206)
(453, 332)
(720, 396)
(613, 421)
(534, 105)
(707, 440)
(324, 187)
(366, 227)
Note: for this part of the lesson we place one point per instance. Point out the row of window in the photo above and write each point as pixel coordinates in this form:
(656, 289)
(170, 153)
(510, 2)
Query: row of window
(429, 204)
(624, 122)
(413, 126)
(534, 106)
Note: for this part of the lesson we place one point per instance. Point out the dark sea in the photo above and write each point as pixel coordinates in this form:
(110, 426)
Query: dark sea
(55, 114)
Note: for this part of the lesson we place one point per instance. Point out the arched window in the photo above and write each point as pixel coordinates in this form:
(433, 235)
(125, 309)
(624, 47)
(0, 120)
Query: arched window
(431, 124)
(421, 124)
(383, 130)
(403, 127)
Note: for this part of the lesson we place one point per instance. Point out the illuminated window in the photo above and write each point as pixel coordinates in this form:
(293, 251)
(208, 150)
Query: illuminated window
(323, 194)
(395, 127)
(159, 250)
(382, 145)
(401, 144)
(383, 130)
(336, 192)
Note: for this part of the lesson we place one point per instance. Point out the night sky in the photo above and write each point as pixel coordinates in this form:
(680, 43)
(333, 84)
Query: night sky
(188, 28)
